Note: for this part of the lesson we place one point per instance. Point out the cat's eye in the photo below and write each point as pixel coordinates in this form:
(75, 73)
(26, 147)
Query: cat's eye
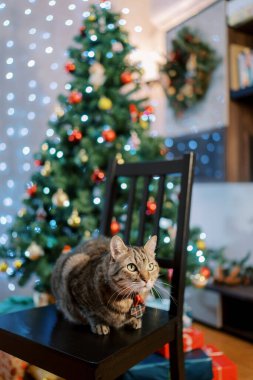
(132, 267)
(151, 266)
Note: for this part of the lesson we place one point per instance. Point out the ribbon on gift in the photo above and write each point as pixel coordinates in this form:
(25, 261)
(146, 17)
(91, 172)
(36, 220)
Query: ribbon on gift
(188, 340)
(211, 353)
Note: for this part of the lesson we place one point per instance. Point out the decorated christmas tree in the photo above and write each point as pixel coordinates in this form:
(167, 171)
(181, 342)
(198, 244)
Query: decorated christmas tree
(101, 117)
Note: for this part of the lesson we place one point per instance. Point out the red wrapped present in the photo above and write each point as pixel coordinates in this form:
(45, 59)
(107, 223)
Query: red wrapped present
(192, 339)
(223, 367)
(11, 368)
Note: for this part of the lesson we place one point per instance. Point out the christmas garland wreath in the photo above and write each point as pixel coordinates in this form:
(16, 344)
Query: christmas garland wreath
(186, 74)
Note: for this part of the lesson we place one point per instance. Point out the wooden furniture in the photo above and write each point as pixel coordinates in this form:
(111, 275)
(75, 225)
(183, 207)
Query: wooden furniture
(239, 139)
(41, 335)
(236, 309)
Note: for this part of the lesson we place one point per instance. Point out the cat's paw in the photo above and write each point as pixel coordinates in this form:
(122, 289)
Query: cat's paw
(100, 329)
(136, 323)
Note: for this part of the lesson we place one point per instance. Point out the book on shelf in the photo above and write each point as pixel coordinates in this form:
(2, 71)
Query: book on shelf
(241, 67)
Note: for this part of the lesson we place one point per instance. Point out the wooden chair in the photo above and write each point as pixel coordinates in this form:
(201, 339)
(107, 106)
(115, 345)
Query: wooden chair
(43, 337)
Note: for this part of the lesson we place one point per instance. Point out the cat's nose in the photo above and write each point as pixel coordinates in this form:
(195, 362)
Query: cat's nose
(145, 276)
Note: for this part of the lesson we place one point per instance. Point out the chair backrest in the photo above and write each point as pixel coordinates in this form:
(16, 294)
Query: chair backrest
(138, 193)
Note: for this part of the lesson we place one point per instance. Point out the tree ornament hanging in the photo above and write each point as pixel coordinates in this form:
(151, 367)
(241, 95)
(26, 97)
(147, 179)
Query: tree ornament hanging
(126, 77)
(115, 226)
(32, 189)
(75, 97)
(133, 112)
(70, 67)
(74, 220)
(41, 214)
(187, 72)
(3, 266)
(82, 31)
(17, 264)
(46, 169)
(151, 206)
(22, 212)
(97, 75)
(109, 135)
(83, 156)
(38, 162)
(60, 198)
(98, 176)
(104, 103)
(34, 251)
(75, 136)
(117, 47)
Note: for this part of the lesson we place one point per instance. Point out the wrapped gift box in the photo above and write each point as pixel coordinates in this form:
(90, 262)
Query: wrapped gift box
(197, 366)
(192, 339)
(223, 367)
(11, 368)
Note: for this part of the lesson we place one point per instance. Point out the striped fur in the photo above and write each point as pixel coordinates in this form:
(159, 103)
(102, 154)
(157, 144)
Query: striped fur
(96, 283)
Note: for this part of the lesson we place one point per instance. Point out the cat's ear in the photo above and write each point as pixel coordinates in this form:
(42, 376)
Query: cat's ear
(117, 246)
(151, 245)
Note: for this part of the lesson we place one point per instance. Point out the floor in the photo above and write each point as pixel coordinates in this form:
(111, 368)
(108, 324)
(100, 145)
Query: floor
(240, 351)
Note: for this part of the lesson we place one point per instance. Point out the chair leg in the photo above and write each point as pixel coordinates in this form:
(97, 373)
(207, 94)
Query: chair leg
(177, 370)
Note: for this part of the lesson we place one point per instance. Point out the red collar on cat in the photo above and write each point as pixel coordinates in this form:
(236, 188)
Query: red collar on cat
(138, 307)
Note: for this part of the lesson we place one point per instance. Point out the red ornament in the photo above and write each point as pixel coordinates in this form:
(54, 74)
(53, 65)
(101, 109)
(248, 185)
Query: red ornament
(115, 227)
(109, 135)
(75, 97)
(98, 176)
(70, 67)
(32, 190)
(82, 30)
(126, 77)
(205, 271)
(148, 110)
(133, 112)
(38, 162)
(75, 136)
(151, 207)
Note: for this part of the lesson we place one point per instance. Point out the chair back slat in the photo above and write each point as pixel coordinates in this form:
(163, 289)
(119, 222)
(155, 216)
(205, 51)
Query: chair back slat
(130, 208)
(159, 204)
(142, 212)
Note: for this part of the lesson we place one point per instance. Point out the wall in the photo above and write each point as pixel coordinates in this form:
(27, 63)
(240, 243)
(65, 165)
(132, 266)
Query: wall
(225, 213)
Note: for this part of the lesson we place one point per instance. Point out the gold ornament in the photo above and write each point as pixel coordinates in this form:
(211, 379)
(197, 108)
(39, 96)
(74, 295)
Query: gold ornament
(83, 156)
(171, 90)
(34, 251)
(143, 124)
(59, 111)
(201, 244)
(104, 103)
(3, 266)
(97, 75)
(187, 90)
(60, 198)
(180, 97)
(46, 170)
(119, 159)
(17, 264)
(44, 147)
(22, 212)
(74, 220)
(92, 18)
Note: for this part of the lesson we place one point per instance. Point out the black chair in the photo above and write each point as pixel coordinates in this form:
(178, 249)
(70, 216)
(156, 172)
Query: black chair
(43, 337)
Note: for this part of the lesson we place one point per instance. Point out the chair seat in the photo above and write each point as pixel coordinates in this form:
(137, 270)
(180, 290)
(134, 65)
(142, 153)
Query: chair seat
(42, 333)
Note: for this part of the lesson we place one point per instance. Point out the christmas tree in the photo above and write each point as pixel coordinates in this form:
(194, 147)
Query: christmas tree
(99, 118)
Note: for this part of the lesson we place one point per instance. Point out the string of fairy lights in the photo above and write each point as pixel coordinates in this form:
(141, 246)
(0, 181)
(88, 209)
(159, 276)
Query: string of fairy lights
(33, 49)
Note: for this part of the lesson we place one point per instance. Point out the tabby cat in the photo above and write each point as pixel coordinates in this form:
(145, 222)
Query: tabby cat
(104, 283)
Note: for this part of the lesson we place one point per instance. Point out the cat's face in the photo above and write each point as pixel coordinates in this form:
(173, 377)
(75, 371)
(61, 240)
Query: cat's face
(133, 269)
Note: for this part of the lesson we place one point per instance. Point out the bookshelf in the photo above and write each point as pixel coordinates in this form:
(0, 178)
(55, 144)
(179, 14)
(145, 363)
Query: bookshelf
(239, 139)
